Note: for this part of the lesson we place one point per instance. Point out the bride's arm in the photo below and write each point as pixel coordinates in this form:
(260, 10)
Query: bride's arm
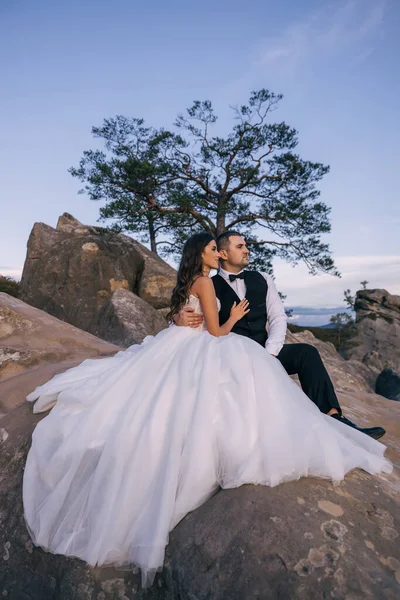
(204, 289)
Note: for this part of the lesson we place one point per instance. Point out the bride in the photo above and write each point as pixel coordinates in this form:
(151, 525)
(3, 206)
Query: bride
(136, 441)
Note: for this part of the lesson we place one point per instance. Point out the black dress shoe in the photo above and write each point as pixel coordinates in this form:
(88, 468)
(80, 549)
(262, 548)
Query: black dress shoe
(374, 432)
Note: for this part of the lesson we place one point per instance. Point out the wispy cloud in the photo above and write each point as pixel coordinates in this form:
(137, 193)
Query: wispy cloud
(312, 320)
(351, 27)
(299, 311)
(14, 272)
(303, 315)
(326, 291)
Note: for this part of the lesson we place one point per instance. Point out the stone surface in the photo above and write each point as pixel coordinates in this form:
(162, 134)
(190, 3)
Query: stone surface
(303, 540)
(72, 271)
(376, 337)
(32, 339)
(374, 361)
(127, 319)
(347, 375)
(306, 540)
(388, 384)
(156, 277)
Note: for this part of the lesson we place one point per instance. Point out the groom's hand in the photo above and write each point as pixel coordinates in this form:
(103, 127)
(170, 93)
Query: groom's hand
(187, 318)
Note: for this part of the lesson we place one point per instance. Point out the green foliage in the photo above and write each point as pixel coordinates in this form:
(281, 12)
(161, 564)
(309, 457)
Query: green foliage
(349, 299)
(341, 319)
(343, 322)
(131, 177)
(9, 286)
(364, 284)
(166, 185)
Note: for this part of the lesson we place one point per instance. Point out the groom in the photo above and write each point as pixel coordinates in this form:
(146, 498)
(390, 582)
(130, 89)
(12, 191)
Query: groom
(232, 283)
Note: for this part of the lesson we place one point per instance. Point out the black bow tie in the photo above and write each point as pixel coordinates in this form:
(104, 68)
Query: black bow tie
(233, 277)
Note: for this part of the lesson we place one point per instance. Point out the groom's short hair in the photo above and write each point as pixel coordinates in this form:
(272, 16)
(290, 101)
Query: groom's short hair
(223, 239)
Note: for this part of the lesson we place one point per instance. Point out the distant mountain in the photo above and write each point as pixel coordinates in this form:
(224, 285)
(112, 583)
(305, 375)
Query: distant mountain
(308, 316)
(328, 326)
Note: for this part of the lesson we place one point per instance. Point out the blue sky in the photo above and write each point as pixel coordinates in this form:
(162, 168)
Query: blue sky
(66, 66)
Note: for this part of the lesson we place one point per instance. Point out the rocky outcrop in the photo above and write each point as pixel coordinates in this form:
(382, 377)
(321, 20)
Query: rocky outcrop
(347, 375)
(36, 344)
(376, 337)
(127, 319)
(72, 271)
(388, 384)
(305, 540)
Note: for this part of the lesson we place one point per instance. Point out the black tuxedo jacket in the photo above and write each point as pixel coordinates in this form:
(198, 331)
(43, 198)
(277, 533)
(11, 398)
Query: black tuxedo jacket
(252, 325)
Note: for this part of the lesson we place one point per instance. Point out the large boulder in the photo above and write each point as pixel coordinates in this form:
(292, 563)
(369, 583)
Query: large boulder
(388, 384)
(306, 540)
(127, 319)
(376, 335)
(347, 375)
(36, 345)
(72, 271)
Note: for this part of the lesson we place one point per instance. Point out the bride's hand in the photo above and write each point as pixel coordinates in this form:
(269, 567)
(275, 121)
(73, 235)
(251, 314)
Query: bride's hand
(238, 311)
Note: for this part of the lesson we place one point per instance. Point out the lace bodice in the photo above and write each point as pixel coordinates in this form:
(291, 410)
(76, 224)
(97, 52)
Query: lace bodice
(194, 302)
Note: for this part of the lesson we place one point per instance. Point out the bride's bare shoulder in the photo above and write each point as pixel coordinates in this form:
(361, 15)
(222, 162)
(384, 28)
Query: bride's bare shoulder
(201, 284)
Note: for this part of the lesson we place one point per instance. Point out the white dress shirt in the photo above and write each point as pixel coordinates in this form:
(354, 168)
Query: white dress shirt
(276, 316)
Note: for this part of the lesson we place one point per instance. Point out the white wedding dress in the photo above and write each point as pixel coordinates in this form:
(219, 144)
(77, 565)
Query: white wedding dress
(136, 441)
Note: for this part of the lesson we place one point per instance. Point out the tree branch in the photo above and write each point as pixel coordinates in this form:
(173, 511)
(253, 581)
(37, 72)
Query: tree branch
(300, 253)
(230, 161)
(250, 217)
(186, 175)
(165, 243)
(249, 181)
(203, 220)
(263, 242)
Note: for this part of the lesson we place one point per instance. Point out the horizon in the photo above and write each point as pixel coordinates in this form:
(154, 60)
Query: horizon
(334, 63)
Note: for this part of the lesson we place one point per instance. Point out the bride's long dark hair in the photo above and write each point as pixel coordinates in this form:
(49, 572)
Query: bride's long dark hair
(190, 266)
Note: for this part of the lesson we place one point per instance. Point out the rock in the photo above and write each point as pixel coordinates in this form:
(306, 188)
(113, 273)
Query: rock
(373, 360)
(376, 334)
(306, 540)
(163, 312)
(31, 340)
(72, 271)
(126, 319)
(347, 375)
(388, 384)
(157, 279)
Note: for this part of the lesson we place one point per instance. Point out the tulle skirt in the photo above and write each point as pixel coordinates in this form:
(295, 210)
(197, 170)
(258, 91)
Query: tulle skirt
(136, 441)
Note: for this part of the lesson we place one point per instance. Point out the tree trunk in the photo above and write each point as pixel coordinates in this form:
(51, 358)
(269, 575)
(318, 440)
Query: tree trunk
(152, 235)
(221, 216)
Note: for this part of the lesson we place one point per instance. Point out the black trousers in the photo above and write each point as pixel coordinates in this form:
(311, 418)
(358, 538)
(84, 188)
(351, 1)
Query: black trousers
(304, 360)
